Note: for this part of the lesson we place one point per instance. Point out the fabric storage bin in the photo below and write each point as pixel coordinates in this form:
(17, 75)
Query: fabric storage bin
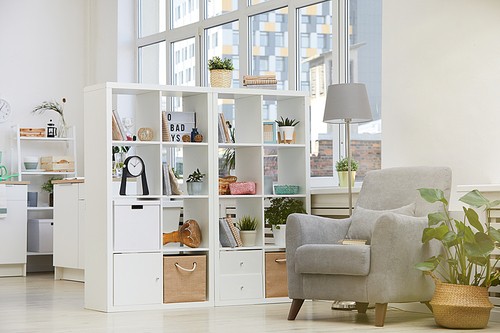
(240, 188)
(184, 279)
(276, 276)
(136, 225)
(40, 235)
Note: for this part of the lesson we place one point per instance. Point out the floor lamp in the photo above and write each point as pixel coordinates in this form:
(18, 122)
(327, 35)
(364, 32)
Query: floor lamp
(346, 104)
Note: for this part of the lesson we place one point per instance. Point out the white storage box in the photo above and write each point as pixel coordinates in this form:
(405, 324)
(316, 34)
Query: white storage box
(40, 235)
(136, 225)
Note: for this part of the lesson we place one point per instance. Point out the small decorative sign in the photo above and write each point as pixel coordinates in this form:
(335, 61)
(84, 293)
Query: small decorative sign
(180, 123)
(269, 132)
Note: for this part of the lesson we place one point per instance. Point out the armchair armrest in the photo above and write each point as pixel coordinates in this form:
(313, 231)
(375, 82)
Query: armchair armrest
(395, 248)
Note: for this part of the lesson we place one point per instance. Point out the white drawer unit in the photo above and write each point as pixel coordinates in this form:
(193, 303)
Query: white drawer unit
(138, 279)
(241, 262)
(136, 226)
(235, 287)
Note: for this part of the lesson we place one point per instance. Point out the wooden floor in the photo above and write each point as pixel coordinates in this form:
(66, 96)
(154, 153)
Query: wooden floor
(39, 304)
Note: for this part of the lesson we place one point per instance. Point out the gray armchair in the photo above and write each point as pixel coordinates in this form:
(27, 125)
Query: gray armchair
(390, 214)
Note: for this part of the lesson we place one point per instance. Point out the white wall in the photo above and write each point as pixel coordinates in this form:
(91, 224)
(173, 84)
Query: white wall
(41, 58)
(441, 87)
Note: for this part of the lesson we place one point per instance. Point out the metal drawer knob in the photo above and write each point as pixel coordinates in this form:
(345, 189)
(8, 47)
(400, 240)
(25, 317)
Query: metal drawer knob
(242, 287)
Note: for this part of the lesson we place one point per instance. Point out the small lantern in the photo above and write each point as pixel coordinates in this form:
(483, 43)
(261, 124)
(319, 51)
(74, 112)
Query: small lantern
(51, 130)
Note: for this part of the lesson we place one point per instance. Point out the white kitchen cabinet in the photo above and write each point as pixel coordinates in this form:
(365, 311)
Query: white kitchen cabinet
(13, 231)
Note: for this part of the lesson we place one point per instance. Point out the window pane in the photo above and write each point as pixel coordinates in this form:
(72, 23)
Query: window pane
(152, 63)
(264, 49)
(152, 17)
(223, 46)
(180, 73)
(365, 64)
(184, 12)
(254, 2)
(315, 75)
(217, 7)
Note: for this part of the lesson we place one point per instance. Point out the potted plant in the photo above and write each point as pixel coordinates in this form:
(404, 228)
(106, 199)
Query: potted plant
(461, 300)
(287, 128)
(277, 214)
(247, 226)
(342, 171)
(49, 188)
(229, 156)
(220, 72)
(195, 182)
(59, 108)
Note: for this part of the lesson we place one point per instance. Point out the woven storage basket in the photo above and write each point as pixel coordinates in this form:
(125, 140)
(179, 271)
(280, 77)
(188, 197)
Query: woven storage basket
(224, 184)
(459, 306)
(220, 78)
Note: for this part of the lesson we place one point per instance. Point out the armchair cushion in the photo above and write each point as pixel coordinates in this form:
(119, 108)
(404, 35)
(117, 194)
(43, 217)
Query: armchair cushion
(333, 259)
(363, 221)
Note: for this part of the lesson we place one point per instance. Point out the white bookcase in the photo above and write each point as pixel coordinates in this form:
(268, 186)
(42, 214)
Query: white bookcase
(132, 280)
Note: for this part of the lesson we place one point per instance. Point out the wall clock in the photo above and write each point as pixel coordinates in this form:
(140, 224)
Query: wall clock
(134, 167)
(5, 110)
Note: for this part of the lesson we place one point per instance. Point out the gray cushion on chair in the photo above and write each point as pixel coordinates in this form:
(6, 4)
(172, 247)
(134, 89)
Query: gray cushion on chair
(363, 221)
(333, 259)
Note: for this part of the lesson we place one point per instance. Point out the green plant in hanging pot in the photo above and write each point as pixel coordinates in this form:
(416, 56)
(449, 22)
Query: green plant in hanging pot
(220, 72)
(342, 169)
(461, 299)
(195, 182)
(248, 229)
(278, 212)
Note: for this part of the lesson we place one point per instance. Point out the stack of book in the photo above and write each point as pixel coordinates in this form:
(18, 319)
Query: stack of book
(228, 234)
(260, 81)
(224, 135)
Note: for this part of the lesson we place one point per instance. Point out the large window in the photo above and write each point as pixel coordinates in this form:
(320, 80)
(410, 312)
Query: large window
(300, 41)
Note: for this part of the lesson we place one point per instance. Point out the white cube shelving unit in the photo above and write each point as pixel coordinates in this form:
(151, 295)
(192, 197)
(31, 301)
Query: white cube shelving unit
(132, 280)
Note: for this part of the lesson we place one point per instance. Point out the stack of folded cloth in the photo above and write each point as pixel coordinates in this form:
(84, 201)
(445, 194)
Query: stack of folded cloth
(260, 81)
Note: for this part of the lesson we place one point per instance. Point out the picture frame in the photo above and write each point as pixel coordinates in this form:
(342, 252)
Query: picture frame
(269, 131)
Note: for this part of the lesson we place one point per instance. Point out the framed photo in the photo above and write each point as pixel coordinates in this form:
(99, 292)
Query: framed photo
(269, 132)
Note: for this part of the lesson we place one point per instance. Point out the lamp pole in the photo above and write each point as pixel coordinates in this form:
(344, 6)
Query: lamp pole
(349, 178)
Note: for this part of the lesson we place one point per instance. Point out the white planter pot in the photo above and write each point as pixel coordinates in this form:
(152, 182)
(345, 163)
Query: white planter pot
(279, 235)
(287, 132)
(248, 237)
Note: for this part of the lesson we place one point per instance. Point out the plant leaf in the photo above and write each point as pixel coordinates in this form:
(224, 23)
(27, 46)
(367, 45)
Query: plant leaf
(481, 261)
(473, 218)
(435, 218)
(474, 198)
(425, 266)
(450, 238)
(472, 249)
(484, 242)
(437, 233)
(492, 204)
(494, 233)
(432, 195)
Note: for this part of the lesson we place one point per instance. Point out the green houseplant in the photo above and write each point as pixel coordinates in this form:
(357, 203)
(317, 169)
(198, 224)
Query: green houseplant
(229, 156)
(278, 212)
(195, 182)
(342, 170)
(248, 229)
(49, 188)
(56, 107)
(466, 267)
(220, 72)
(287, 128)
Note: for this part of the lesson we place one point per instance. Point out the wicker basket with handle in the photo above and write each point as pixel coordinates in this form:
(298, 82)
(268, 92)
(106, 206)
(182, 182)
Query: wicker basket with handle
(460, 306)
(220, 78)
(224, 184)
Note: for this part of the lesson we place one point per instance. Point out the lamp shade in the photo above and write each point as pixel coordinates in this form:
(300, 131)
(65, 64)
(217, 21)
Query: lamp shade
(347, 101)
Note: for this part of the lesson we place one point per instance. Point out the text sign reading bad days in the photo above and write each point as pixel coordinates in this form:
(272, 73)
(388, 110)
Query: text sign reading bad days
(180, 123)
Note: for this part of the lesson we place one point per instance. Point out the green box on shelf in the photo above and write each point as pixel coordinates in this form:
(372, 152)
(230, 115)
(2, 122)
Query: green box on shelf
(286, 189)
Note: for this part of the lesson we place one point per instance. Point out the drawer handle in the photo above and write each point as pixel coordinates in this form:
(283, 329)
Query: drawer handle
(137, 206)
(241, 288)
(241, 263)
(185, 269)
(280, 260)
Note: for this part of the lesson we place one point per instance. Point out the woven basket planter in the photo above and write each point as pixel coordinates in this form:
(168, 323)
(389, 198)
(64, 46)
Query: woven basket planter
(459, 306)
(220, 78)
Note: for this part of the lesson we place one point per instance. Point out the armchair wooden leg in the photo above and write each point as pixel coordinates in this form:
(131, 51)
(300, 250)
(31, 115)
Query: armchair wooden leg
(380, 310)
(361, 307)
(428, 305)
(295, 308)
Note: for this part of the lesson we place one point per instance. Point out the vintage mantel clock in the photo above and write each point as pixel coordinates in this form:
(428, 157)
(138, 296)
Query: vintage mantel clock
(134, 167)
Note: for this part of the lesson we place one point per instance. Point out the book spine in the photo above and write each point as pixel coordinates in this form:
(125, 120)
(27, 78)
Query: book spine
(262, 86)
(234, 231)
(226, 238)
(120, 125)
(265, 81)
(259, 77)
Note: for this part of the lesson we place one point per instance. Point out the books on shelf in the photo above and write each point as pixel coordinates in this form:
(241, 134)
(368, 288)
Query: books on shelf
(263, 86)
(115, 129)
(167, 190)
(234, 231)
(165, 131)
(260, 82)
(224, 135)
(226, 237)
(121, 128)
(351, 242)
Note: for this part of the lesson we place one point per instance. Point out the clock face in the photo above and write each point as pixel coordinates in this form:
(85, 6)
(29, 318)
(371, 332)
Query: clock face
(5, 110)
(135, 166)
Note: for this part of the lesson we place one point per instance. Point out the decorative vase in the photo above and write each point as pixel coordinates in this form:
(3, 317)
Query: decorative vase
(61, 128)
(248, 237)
(194, 188)
(279, 234)
(220, 78)
(344, 179)
(194, 133)
(459, 306)
(287, 132)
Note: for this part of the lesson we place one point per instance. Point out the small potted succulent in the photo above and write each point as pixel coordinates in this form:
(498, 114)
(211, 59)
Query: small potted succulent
(195, 182)
(277, 214)
(342, 170)
(248, 230)
(220, 72)
(287, 128)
